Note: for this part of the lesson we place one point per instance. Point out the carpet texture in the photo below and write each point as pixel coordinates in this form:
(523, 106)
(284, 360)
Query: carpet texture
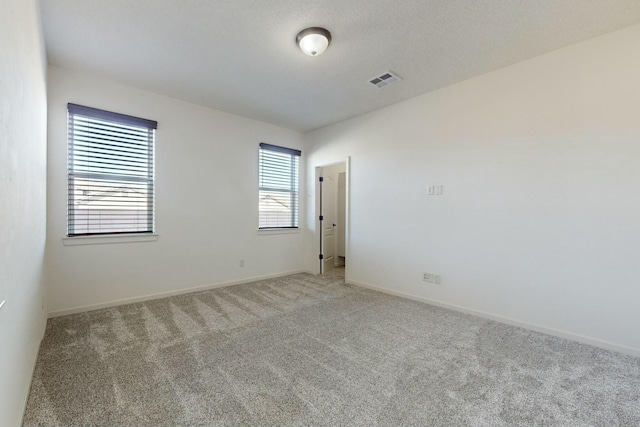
(309, 350)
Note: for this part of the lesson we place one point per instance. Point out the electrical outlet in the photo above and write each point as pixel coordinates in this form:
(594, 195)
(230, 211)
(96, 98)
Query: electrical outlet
(427, 277)
(241, 263)
(437, 279)
(439, 189)
(431, 190)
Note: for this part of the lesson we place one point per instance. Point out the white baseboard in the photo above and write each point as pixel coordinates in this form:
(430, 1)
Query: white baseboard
(531, 326)
(149, 297)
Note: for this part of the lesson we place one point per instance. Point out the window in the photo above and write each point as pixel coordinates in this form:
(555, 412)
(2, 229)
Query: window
(110, 173)
(278, 187)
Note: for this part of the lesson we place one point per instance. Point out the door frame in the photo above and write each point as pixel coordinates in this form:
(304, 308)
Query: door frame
(317, 240)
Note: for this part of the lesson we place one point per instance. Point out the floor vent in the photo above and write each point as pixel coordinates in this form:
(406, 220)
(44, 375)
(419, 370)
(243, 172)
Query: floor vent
(385, 79)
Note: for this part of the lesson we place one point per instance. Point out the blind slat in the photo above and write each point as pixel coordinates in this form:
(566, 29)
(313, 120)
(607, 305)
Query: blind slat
(112, 139)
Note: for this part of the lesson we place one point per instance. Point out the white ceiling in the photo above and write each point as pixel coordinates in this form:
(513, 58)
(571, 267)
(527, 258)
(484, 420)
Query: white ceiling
(240, 55)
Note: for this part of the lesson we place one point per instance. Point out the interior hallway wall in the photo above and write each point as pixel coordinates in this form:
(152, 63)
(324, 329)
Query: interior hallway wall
(331, 176)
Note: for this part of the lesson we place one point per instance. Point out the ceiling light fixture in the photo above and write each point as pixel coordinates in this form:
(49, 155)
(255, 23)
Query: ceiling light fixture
(313, 41)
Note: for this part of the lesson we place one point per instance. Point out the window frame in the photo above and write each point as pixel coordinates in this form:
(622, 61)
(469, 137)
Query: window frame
(294, 191)
(75, 111)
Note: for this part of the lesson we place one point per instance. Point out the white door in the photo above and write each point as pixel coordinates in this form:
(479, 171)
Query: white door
(328, 212)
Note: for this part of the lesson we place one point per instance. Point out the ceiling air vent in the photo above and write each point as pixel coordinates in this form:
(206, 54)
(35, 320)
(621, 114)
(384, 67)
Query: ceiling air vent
(385, 79)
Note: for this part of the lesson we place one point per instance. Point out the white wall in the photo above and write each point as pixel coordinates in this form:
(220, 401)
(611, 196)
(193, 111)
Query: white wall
(23, 150)
(206, 202)
(540, 217)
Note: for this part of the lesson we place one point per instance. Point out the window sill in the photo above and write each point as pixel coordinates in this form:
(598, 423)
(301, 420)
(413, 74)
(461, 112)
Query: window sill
(109, 239)
(272, 231)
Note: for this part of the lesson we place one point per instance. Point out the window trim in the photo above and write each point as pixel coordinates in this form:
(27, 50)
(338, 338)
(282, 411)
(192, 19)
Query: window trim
(102, 239)
(115, 118)
(296, 212)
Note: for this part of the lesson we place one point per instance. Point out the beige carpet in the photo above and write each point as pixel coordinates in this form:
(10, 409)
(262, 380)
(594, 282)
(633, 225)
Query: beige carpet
(309, 350)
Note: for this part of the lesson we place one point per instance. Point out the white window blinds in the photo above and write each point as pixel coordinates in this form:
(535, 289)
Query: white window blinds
(278, 187)
(110, 173)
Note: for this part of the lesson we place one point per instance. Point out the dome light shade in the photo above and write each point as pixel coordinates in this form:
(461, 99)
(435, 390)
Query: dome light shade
(313, 41)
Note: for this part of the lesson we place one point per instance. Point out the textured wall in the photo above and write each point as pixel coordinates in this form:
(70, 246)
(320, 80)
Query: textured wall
(538, 222)
(23, 121)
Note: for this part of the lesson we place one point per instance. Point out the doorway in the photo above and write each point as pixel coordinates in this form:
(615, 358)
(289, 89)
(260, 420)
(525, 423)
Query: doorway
(332, 210)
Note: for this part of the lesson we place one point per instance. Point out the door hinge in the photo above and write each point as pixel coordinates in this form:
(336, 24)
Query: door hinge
(321, 218)
(320, 256)
(321, 179)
